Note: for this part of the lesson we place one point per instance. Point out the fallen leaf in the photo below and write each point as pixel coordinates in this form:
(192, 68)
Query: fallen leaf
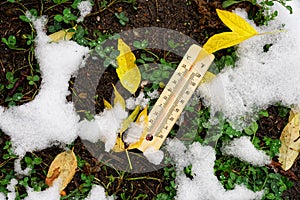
(142, 119)
(241, 30)
(107, 105)
(236, 23)
(64, 167)
(62, 35)
(128, 72)
(118, 98)
(290, 142)
(208, 77)
(120, 146)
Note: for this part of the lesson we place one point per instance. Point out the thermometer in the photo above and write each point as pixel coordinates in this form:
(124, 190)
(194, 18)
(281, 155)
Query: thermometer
(175, 96)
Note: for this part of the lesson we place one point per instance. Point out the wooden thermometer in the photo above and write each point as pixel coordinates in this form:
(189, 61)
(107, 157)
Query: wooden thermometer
(175, 96)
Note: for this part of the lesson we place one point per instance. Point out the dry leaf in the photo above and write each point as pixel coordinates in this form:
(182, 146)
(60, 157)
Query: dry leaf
(290, 142)
(118, 98)
(64, 167)
(241, 30)
(128, 73)
(62, 35)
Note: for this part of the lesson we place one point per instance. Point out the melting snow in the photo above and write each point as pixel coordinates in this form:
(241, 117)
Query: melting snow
(243, 149)
(204, 184)
(260, 78)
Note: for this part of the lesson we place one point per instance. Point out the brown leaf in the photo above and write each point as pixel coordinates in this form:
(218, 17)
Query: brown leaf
(64, 167)
(290, 143)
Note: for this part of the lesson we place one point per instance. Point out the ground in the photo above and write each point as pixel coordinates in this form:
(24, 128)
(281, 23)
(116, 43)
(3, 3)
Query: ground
(196, 19)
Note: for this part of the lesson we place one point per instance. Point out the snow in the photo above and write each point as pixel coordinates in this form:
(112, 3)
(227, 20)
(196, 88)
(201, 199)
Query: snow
(259, 78)
(243, 149)
(11, 188)
(154, 156)
(18, 169)
(98, 193)
(85, 8)
(153, 95)
(140, 100)
(2, 196)
(49, 118)
(51, 193)
(204, 184)
(134, 132)
(104, 127)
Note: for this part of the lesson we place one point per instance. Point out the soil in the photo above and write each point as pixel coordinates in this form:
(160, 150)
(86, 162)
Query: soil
(196, 19)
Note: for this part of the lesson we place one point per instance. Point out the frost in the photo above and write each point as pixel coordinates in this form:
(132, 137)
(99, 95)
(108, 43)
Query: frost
(243, 149)
(104, 127)
(204, 184)
(259, 78)
(132, 102)
(49, 118)
(154, 156)
(98, 193)
(85, 8)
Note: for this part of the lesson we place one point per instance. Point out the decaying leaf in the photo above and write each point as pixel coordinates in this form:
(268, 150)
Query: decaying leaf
(290, 142)
(128, 72)
(64, 167)
(241, 30)
(62, 35)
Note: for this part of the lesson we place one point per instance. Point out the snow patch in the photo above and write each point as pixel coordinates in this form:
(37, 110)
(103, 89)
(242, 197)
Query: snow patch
(204, 184)
(49, 118)
(104, 127)
(51, 193)
(98, 193)
(85, 8)
(243, 149)
(134, 133)
(259, 78)
(154, 156)
(140, 100)
(11, 188)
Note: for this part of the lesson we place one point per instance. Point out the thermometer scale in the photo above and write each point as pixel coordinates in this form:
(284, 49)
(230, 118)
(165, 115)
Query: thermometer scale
(175, 96)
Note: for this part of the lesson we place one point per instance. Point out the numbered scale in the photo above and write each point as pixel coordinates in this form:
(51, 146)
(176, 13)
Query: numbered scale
(175, 96)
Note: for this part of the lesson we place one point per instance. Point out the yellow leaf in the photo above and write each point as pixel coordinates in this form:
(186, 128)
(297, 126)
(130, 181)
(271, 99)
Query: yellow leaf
(224, 40)
(118, 98)
(64, 167)
(107, 105)
(120, 146)
(208, 77)
(236, 23)
(290, 142)
(128, 73)
(142, 119)
(130, 119)
(62, 35)
(241, 30)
